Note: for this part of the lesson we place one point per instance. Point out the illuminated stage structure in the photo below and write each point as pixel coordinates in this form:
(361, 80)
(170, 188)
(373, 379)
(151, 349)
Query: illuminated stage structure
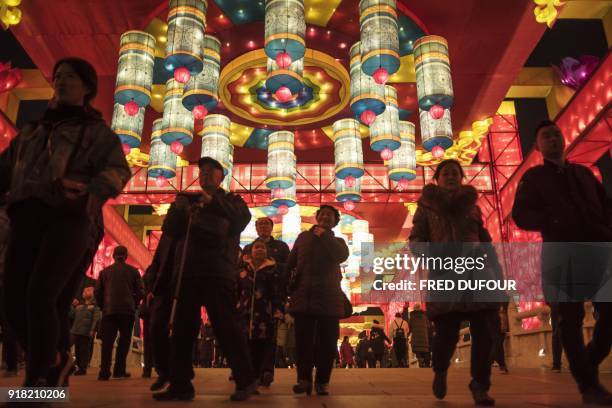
(236, 52)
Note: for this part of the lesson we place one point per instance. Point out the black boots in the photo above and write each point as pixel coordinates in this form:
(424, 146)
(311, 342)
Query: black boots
(479, 393)
(439, 384)
(303, 386)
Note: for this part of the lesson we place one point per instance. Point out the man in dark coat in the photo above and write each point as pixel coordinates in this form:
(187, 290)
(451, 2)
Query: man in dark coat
(207, 228)
(378, 338)
(277, 249)
(118, 291)
(567, 204)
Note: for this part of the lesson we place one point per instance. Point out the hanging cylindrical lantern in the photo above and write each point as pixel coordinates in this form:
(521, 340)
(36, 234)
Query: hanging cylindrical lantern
(385, 132)
(292, 225)
(286, 196)
(216, 140)
(203, 88)
(186, 25)
(346, 193)
(433, 74)
(285, 28)
(290, 77)
(348, 150)
(135, 70)
(379, 36)
(281, 160)
(403, 163)
(178, 121)
(162, 162)
(128, 128)
(436, 132)
(366, 95)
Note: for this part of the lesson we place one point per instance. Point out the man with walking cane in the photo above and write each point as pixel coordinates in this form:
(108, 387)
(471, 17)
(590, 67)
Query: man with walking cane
(207, 227)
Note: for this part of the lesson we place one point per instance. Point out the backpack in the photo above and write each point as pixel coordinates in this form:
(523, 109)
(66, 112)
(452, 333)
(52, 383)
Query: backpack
(399, 332)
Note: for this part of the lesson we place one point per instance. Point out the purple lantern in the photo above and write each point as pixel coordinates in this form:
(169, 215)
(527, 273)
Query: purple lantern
(575, 72)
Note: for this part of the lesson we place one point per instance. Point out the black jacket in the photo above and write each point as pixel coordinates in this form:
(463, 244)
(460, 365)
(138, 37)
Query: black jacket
(565, 204)
(119, 289)
(315, 288)
(213, 247)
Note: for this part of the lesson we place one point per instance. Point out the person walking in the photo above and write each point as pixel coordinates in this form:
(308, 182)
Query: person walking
(448, 216)
(378, 338)
(570, 207)
(399, 334)
(347, 354)
(207, 229)
(86, 316)
(118, 291)
(316, 299)
(261, 298)
(59, 171)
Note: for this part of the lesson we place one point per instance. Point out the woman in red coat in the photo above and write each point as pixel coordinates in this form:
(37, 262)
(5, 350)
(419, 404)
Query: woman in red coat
(346, 353)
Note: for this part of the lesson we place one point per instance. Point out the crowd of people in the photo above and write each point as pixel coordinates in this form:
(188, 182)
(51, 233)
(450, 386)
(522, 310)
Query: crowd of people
(266, 304)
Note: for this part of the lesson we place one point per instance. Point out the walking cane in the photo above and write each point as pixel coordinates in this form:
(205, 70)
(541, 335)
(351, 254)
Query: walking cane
(179, 279)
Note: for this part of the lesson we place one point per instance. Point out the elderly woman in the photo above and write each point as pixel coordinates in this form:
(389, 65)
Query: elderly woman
(316, 300)
(448, 216)
(58, 172)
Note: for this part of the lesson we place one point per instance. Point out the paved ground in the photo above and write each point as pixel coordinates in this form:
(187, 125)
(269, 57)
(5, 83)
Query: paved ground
(354, 388)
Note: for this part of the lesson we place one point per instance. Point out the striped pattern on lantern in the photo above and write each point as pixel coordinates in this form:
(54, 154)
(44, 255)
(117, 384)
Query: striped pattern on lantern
(135, 70)
(403, 163)
(365, 93)
(128, 128)
(203, 88)
(433, 74)
(291, 77)
(379, 36)
(285, 27)
(216, 140)
(281, 160)
(385, 132)
(436, 132)
(186, 26)
(348, 149)
(178, 121)
(162, 161)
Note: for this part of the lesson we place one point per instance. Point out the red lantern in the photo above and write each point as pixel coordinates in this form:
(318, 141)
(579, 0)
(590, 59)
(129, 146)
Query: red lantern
(9, 77)
(283, 60)
(283, 209)
(380, 76)
(176, 147)
(349, 181)
(126, 148)
(283, 94)
(386, 154)
(160, 181)
(437, 151)
(436, 112)
(277, 192)
(199, 112)
(402, 184)
(367, 117)
(182, 75)
(349, 205)
(131, 108)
